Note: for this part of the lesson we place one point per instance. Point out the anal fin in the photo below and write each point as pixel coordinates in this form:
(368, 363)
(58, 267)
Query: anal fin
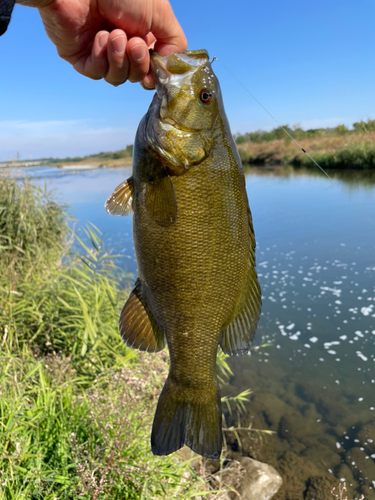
(137, 325)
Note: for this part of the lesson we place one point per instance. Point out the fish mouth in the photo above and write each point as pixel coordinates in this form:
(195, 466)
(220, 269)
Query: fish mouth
(176, 67)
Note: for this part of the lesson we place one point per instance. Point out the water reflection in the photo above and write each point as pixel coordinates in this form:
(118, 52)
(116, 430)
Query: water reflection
(355, 178)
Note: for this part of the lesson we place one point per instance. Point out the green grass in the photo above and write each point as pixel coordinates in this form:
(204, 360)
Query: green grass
(299, 133)
(33, 227)
(332, 148)
(60, 441)
(76, 404)
(359, 156)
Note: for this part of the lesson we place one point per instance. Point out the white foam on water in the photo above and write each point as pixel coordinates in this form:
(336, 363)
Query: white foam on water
(362, 356)
(315, 339)
(359, 333)
(343, 337)
(366, 311)
(295, 336)
(282, 331)
(327, 345)
(335, 291)
(289, 327)
(331, 352)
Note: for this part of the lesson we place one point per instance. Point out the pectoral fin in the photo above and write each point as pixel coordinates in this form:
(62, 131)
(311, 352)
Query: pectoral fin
(161, 201)
(137, 326)
(120, 201)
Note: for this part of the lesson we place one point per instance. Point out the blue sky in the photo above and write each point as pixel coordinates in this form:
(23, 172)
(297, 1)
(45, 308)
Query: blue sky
(309, 63)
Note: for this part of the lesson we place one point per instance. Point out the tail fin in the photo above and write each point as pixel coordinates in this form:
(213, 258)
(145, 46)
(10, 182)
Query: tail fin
(195, 422)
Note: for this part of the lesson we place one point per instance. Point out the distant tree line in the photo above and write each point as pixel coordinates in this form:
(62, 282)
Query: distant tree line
(109, 155)
(299, 133)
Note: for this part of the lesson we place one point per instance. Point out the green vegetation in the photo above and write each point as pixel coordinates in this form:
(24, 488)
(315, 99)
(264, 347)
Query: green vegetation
(298, 133)
(351, 156)
(76, 404)
(337, 147)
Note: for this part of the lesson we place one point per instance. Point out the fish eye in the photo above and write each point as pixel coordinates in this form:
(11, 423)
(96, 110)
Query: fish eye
(205, 96)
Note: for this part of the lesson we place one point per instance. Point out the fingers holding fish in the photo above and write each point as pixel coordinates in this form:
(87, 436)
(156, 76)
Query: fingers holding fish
(127, 59)
(95, 66)
(118, 61)
(139, 57)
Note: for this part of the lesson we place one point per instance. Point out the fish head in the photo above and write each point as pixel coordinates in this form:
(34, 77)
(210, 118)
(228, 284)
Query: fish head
(181, 120)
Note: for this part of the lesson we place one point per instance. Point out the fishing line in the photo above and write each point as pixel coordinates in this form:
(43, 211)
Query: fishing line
(273, 118)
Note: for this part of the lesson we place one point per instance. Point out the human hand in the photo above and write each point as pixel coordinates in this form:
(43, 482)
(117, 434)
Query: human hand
(110, 39)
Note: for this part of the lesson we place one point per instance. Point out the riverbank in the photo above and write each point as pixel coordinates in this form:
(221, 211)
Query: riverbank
(350, 151)
(83, 164)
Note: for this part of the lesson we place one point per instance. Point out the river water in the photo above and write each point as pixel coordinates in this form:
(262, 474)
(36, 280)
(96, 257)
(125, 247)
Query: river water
(315, 385)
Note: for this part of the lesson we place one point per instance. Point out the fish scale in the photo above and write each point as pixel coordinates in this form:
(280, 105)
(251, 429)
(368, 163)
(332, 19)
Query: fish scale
(194, 243)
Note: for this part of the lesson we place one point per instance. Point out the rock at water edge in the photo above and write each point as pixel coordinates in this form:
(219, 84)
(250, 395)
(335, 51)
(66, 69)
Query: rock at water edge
(260, 481)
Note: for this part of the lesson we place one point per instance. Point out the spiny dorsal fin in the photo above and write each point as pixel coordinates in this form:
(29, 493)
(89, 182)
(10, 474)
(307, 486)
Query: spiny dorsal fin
(161, 201)
(120, 201)
(137, 326)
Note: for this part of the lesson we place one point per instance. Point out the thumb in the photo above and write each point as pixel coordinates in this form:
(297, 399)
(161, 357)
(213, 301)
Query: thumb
(166, 29)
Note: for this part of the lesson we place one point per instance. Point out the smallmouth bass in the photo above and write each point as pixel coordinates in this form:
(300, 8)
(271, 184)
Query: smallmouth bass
(195, 248)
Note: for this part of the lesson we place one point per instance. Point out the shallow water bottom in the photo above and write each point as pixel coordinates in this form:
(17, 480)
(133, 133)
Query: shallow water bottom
(314, 385)
(318, 438)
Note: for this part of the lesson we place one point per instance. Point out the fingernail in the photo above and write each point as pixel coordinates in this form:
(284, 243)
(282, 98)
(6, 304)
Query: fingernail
(119, 44)
(101, 40)
(148, 82)
(138, 52)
